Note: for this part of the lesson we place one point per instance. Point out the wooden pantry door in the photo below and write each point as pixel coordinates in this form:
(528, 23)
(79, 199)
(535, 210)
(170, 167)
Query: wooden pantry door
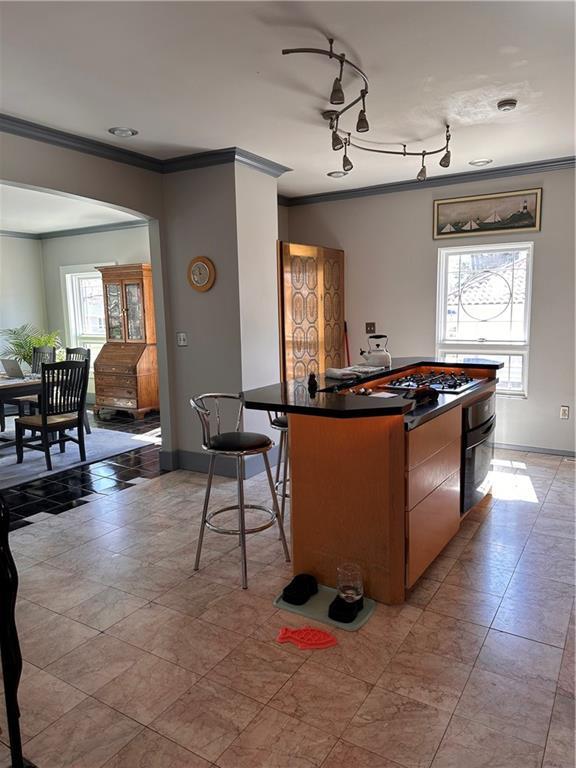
(311, 309)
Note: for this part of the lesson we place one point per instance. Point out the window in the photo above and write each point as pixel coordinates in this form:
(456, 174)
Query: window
(85, 301)
(483, 308)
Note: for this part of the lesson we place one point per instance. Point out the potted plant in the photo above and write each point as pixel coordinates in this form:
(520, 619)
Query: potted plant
(19, 342)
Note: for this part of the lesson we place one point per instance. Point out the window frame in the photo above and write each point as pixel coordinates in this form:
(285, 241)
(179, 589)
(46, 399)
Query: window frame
(67, 279)
(484, 348)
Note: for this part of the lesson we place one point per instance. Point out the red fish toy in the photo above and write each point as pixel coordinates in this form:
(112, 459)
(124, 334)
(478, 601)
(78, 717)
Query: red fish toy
(307, 638)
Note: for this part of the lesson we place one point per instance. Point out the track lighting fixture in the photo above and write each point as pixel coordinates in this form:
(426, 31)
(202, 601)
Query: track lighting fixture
(362, 123)
(337, 95)
(337, 142)
(445, 162)
(347, 164)
(342, 139)
(422, 172)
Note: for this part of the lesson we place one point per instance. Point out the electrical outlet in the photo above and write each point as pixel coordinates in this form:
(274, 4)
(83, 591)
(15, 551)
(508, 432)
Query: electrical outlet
(182, 339)
(564, 411)
(370, 328)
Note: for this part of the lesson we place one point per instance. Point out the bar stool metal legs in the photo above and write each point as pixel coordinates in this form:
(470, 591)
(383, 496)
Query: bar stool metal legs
(274, 515)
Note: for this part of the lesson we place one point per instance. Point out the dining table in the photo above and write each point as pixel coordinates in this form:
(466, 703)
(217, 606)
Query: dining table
(11, 388)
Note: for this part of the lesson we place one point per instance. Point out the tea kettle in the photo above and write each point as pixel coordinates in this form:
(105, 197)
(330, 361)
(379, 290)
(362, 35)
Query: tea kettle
(375, 355)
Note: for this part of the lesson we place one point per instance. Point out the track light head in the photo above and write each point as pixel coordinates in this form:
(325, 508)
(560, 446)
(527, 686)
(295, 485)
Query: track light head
(362, 123)
(347, 164)
(422, 172)
(445, 161)
(337, 95)
(337, 142)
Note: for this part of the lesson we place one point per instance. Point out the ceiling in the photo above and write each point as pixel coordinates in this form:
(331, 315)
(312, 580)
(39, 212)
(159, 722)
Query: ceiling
(199, 76)
(32, 212)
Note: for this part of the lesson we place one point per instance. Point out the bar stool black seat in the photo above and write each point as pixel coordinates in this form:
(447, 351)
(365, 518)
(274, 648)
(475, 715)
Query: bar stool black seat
(236, 445)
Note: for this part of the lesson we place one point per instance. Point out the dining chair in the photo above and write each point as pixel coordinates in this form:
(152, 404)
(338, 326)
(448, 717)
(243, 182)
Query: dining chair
(80, 354)
(62, 401)
(39, 355)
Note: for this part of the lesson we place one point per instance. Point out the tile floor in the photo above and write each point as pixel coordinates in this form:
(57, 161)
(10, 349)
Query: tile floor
(133, 661)
(61, 491)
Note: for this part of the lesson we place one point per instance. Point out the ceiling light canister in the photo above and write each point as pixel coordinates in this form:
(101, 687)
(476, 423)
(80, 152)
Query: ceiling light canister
(507, 105)
(122, 133)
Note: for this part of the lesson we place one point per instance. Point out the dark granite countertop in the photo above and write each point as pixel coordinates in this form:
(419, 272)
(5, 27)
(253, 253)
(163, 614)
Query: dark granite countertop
(293, 396)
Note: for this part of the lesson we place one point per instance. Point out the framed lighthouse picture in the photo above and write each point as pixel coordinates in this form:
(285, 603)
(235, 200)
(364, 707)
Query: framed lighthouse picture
(504, 212)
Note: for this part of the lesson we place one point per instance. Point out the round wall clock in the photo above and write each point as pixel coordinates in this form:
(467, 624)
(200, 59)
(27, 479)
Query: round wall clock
(201, 273)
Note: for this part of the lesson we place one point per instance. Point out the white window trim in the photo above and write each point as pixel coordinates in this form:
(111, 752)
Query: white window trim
(488, 347)
(74, 269)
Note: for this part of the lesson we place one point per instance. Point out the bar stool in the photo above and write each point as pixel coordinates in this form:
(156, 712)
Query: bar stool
(279, 421)
(235, 445)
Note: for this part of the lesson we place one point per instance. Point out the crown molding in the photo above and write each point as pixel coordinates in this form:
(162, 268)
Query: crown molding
(37, 132)
(20, 235)
(221, 156)
(554, 164)
(72, 232)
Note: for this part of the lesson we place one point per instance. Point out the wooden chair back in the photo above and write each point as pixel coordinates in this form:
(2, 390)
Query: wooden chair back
(63, 388)
(42, 355)
(78, 353)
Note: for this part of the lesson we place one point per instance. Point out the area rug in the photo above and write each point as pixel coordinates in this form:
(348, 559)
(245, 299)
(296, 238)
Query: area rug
(101, 444)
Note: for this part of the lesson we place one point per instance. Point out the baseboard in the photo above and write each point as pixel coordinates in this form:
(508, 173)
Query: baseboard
(196, 461)
(532, 449)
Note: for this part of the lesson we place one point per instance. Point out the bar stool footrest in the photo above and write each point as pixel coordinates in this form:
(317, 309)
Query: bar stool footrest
(236, 531)
(279, 485)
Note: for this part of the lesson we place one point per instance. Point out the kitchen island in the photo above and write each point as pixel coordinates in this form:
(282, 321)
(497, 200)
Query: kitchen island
(375, 477)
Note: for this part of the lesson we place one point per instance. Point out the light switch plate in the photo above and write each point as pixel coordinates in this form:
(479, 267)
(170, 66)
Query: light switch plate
(182, 339)
(564, 411)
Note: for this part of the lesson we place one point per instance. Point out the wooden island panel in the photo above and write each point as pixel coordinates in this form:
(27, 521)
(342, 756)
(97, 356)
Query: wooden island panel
(348, 499)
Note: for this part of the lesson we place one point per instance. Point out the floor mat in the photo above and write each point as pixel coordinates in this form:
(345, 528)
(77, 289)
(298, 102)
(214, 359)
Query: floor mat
(317, 606)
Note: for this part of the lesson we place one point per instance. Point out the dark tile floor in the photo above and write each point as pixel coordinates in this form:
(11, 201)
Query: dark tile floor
(71, 488)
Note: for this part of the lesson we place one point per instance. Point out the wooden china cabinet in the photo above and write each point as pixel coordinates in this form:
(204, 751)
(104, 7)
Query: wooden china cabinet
(126, 370)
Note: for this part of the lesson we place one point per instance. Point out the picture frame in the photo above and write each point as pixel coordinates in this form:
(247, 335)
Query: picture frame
(499, 213)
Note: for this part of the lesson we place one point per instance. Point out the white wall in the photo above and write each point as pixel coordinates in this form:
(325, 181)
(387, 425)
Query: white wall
(21, 283)
(122, 246)
(391, 266)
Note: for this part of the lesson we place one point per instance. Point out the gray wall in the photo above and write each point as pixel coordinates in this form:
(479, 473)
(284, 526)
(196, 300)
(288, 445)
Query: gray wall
(123, 246)
(391, 267)
(22, 295)
(200, 220)
(257, 229)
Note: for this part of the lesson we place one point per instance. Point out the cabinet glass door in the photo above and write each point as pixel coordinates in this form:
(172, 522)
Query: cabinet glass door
(114, 311)
(134, 312)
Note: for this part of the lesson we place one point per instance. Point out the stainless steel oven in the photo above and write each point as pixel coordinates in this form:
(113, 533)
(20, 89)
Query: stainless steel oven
(478, 425)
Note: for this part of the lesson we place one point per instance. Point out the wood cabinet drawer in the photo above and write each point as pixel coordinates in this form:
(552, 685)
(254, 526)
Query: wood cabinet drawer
(116, 391)
(105, 380)
(116, 402)
(108, 369)
(428, 439)
(432, 472)
(431, 525)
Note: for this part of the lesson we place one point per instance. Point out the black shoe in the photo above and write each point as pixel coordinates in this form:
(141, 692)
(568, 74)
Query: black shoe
(343, 611)
(300, 589)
